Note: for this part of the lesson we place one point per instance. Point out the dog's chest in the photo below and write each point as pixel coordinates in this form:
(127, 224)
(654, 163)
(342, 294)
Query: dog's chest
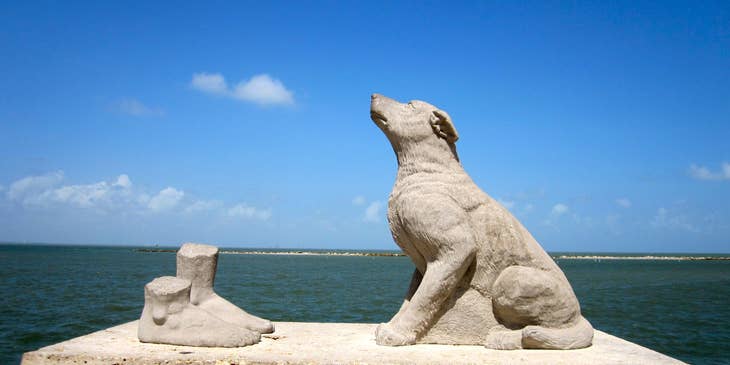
(404, 201)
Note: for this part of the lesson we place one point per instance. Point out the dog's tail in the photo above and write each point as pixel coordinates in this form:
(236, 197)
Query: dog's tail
(577, 336)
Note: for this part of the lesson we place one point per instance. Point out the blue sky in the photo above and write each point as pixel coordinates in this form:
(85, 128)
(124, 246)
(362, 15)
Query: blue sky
(603, 126)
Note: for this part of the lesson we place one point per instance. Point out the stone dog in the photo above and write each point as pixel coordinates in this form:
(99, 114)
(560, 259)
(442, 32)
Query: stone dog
(480, 277)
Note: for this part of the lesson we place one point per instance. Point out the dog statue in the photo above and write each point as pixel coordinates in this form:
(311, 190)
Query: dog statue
(480, 277)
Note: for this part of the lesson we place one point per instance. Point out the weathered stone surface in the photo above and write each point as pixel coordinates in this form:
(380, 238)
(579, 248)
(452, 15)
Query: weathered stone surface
(168, 317)
(480, 277)
(198, 263)
(324, 343)
(184, 310)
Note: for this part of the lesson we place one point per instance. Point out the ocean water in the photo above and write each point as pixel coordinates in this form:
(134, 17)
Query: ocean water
(53, 293)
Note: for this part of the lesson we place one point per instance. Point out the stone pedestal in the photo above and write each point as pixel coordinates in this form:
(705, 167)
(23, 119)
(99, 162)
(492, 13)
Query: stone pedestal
(324, 343)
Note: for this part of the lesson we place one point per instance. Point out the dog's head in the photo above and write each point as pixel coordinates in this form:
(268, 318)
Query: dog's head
(415, 121)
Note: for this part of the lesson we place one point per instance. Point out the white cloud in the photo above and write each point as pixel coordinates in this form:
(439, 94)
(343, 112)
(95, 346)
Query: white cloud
(27, 187)
(261, 89)
(704, 173)
(209, 83)
(372, 212)
(136, 108)
(203, 206)
(117, 195)
(561, 214)
(81, 195)
(556, 212)
(623, 202)
(559, 209)
(246, 211)
(123, 181)
(264, 90)
(143, 199)
(88, 195)
(166, 199)
(42, 191)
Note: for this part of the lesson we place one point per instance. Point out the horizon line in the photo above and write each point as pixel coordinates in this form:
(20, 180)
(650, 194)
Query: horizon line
(11, 243)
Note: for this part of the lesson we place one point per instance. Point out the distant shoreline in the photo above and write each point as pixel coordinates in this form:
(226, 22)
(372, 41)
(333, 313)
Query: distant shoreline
(315, 253)
(298, 252)
(399, 254)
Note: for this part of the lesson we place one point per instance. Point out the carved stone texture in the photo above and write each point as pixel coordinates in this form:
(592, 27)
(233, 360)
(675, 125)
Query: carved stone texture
(169, 318)
(198, 263)
(480, 277)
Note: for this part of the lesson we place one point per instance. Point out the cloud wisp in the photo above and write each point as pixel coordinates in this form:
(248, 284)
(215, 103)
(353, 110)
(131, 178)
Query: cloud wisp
(260, 89)
(372, 212)
(26, 189)
(556, 212)
(703, 173)
(209, 83)
(48, 192)
(623, 202)
(559, 209)
(203, 206)
(136, 108)
(674, 220)
(244, 210)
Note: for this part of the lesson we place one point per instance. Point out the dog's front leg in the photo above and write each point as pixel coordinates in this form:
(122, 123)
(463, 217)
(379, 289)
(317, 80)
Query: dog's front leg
(449, 252)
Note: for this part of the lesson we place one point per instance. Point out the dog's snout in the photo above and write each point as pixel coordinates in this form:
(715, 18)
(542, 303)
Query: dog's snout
(374, 96)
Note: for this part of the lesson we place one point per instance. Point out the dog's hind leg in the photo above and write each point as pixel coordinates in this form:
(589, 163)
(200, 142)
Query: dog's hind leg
(577, 336)
(543, 306)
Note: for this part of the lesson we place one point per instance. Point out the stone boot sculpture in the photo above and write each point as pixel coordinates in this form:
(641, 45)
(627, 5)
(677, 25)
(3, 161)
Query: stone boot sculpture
(480, 277)
(198, 263)
(169, 318)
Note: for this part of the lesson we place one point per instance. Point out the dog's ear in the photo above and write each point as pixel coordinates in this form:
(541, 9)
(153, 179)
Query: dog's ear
(443, 126)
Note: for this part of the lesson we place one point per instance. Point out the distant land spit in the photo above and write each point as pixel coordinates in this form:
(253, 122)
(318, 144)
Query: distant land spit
(398, 254)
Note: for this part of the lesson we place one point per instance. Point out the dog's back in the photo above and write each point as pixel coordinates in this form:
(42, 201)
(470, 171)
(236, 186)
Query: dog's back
(502, 241)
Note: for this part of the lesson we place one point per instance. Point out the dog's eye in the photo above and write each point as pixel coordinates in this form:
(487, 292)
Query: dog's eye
(411, 105)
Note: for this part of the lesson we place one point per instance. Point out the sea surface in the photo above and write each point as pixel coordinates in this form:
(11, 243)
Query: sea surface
(52, 293)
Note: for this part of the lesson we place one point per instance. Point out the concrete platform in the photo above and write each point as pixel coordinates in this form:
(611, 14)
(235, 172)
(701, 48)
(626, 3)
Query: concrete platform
(324, 343)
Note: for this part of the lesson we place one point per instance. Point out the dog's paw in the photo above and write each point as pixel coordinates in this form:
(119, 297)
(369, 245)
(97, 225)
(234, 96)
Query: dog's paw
(504, 340)
(389, 335)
